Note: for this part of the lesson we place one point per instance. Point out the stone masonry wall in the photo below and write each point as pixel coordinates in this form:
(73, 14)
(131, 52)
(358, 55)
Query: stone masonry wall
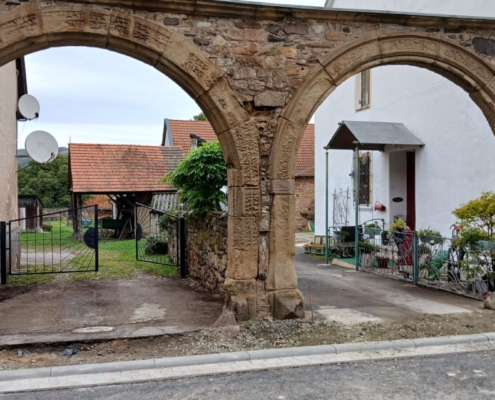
(305, 200)
(206, 252)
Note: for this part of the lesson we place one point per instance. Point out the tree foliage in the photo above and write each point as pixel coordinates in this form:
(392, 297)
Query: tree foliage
(49, 182)
(200, 117)
(200, 176)
(478, 217)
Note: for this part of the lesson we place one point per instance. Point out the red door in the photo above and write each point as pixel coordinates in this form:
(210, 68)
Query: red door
(411, 190)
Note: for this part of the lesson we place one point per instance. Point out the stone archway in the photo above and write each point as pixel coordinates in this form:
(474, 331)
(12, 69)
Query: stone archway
(432, 52)
(37, 26)
(259, 72)
(446, 58)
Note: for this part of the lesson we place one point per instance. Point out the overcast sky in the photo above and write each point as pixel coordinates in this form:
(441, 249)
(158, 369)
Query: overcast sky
(97, 96)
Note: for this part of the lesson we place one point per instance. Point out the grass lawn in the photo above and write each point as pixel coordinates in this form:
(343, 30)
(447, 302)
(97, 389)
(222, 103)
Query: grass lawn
(117, 258)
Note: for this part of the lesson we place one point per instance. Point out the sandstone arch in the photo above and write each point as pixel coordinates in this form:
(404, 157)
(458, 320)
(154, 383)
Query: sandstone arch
(35, 26)
(32, 27)
(433, 52)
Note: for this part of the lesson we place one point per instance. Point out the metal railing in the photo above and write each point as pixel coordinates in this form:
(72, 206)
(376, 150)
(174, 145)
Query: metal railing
(49, 247)
(431, 261)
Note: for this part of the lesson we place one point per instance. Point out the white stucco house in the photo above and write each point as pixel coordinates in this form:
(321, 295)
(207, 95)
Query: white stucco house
(457, 161)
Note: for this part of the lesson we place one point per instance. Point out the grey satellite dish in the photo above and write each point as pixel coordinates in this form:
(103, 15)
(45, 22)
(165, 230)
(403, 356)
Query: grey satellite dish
(29, 106)
(41, 147)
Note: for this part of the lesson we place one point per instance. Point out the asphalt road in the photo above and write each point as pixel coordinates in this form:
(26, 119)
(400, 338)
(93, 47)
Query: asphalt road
(465, 376)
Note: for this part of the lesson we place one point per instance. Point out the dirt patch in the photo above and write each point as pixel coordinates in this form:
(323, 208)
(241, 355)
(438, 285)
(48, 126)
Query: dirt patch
(13, 291)
(254, 335)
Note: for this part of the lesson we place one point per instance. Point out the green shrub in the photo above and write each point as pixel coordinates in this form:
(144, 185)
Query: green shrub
(366, 248)
(46, 228)
(156, 244)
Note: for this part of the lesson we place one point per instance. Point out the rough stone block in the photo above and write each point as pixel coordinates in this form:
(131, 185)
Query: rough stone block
(287, 304)
(171, 21)
(255, 35)
(236, 287)
(296, 28)
(297, 70)
(270, 98)
(282, 186)
(243, 24)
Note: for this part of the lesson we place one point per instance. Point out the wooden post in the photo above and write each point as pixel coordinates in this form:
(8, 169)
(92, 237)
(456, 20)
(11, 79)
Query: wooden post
(77, 216)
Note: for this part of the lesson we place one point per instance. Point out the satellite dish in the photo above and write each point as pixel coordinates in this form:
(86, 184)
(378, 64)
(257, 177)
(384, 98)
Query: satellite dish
(41, 147)
(29, 106)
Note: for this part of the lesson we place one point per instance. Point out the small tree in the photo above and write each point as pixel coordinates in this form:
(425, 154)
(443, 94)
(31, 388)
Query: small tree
(48, 182)
(478, 215)
(200, 117)
(200, 176)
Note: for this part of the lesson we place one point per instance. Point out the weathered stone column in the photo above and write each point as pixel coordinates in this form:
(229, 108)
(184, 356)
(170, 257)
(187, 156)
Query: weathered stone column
(286, 301)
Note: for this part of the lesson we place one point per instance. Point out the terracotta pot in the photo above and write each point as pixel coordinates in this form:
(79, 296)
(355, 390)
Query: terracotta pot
(382, 262)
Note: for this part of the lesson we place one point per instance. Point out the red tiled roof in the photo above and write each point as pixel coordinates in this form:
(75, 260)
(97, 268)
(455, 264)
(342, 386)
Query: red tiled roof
(181, 130)
(117, 168)
(305, 164)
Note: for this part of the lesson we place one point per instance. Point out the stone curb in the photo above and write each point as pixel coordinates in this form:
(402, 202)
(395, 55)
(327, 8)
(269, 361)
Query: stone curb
(171, 362)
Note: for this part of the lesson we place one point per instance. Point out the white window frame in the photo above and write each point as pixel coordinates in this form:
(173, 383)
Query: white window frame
(361, 102)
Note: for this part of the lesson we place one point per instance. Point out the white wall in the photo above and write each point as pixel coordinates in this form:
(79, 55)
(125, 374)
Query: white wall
(455, 166)
(483, 8)
(8, 145)
(457, 162)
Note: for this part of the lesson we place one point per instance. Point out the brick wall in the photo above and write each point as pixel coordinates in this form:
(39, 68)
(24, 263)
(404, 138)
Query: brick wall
(305, 200)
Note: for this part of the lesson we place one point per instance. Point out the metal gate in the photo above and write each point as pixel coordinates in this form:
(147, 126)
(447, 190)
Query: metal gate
(160, 237)
(45, 244)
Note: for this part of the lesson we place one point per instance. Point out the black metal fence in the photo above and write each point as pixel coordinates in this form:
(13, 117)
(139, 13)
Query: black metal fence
(432, 261)
(52, 247)
(153, 240)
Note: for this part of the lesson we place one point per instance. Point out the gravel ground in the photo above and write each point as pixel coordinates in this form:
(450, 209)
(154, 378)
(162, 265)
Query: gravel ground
(254, 335)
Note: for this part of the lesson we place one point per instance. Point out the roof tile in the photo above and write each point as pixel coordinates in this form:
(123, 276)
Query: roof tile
(110, 168)
(305, 164)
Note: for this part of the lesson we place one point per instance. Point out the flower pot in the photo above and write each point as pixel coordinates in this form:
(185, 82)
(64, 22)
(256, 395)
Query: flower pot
(382, 261)
(367, 260)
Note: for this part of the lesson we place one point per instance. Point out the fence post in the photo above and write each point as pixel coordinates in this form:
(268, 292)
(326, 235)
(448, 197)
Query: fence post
(3, 253)
(96, 239)
(182, 232)
(415, 258)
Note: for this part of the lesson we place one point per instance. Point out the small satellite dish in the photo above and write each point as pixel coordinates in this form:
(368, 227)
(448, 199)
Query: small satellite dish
(29, 106)
(41, 147)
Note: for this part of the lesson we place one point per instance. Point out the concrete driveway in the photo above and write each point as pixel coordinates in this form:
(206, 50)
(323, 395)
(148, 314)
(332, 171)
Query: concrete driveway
(347, 296)
(82, 310)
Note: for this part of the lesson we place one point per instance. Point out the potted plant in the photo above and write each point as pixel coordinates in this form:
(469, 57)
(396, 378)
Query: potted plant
(367, 251)
(307, 248)
(372, 229)
(430, 236)
(319, 249)
(398, 230)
